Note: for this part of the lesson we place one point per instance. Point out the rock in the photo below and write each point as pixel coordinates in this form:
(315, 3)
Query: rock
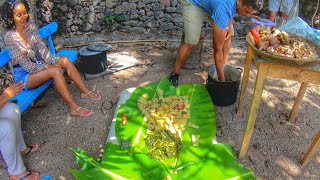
(138, 30)
(111, 3)
(72, 3)
(171, 9)
(148, 1)
(96, 27)
(253, 159)
(157, 7)
(141, 5)
(174, 3)
(158, 15)
(64, 8)
(166, 3)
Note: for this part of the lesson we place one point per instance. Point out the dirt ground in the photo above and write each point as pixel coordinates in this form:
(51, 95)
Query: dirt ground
(276, 146)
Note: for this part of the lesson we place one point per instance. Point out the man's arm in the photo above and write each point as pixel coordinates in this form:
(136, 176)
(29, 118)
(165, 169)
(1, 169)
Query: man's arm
(219, 36)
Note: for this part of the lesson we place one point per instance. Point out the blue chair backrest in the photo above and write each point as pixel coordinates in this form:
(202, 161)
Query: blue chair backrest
(4, 57)
(46, 32)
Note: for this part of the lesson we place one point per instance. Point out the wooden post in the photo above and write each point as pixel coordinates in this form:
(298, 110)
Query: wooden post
(245, 80)
(262, 74)
(297, 103)
(315, 145)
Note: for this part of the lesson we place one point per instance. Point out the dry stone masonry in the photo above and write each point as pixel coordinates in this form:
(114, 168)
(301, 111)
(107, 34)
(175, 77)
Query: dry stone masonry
(157, 17)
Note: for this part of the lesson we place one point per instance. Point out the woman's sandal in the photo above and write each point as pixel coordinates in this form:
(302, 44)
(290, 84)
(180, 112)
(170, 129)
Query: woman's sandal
(95, 96)
(31, 148)
(27, 176)
(77, 112)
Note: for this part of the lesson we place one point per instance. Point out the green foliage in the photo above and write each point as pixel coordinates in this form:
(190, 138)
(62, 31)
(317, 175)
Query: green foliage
(84, 20)
(109, 20)
(119, 17)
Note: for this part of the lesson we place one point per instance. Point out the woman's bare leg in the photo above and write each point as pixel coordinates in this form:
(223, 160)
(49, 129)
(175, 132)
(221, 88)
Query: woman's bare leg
(73, 73)
(55, 73)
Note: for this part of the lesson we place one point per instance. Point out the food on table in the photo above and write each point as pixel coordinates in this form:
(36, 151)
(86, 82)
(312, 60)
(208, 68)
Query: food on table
(193, 125)
(255, 35)
(124, 119)
(195, 139)
(166, 119)
(280, 43)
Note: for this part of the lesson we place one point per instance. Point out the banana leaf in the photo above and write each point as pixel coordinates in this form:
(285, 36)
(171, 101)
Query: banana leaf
(117, 164)
(201, 111)
(206, 161)
(219, 164)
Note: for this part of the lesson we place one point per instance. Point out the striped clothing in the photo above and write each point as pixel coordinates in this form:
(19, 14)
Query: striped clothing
(32, 57)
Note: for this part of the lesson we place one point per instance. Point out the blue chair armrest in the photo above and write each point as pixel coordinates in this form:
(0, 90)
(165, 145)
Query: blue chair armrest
(26, 97)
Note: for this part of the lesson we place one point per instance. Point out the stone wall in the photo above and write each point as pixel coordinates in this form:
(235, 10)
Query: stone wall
(86, 16)
(78, 17)
(142, 16)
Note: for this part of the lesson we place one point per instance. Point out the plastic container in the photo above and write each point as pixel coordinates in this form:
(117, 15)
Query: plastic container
(92, 62)
(265, 22)
(224, 93)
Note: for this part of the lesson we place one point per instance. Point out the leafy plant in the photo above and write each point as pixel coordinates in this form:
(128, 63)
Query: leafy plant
(108, 20)
(84, 20)
(119, 17)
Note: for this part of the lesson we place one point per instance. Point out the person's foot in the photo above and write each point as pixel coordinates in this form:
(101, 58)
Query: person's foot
(95, 96)
(174, 79)
(30, 149)
(26, 175)
(81, 111)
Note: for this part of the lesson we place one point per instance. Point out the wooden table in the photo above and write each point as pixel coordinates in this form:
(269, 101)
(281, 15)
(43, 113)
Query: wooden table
(266, 69)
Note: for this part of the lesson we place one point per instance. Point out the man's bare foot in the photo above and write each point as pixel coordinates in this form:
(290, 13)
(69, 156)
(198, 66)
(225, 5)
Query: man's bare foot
(26, 175)
(30, 149)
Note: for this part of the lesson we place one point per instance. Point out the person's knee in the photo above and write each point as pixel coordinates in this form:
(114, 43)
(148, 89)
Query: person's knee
(11, 111)
(55, 71)
(64, 61)
(188, 45)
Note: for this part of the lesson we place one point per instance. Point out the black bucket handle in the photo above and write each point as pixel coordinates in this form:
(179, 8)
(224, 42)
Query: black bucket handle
(240, 69)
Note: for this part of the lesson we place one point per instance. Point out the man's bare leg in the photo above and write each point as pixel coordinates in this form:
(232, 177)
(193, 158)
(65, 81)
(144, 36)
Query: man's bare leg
(184, 52)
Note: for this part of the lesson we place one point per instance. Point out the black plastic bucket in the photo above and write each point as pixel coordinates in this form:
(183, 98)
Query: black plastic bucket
(224, 93)
(92, 62)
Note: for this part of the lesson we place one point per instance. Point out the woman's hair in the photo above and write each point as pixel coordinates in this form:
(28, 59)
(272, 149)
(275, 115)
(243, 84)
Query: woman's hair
(7, 12)
(256, 4)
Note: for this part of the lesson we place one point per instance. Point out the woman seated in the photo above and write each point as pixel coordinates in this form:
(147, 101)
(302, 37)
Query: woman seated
(33, 63)
(12, 145)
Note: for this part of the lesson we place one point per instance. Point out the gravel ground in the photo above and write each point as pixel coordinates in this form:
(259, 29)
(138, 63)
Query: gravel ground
(275, 150)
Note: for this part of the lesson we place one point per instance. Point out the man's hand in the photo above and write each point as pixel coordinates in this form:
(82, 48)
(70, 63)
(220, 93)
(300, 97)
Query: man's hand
(13, 90)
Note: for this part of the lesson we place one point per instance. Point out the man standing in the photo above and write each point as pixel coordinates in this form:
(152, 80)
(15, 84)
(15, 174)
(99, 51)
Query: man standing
(283, 8)
(220, 13)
